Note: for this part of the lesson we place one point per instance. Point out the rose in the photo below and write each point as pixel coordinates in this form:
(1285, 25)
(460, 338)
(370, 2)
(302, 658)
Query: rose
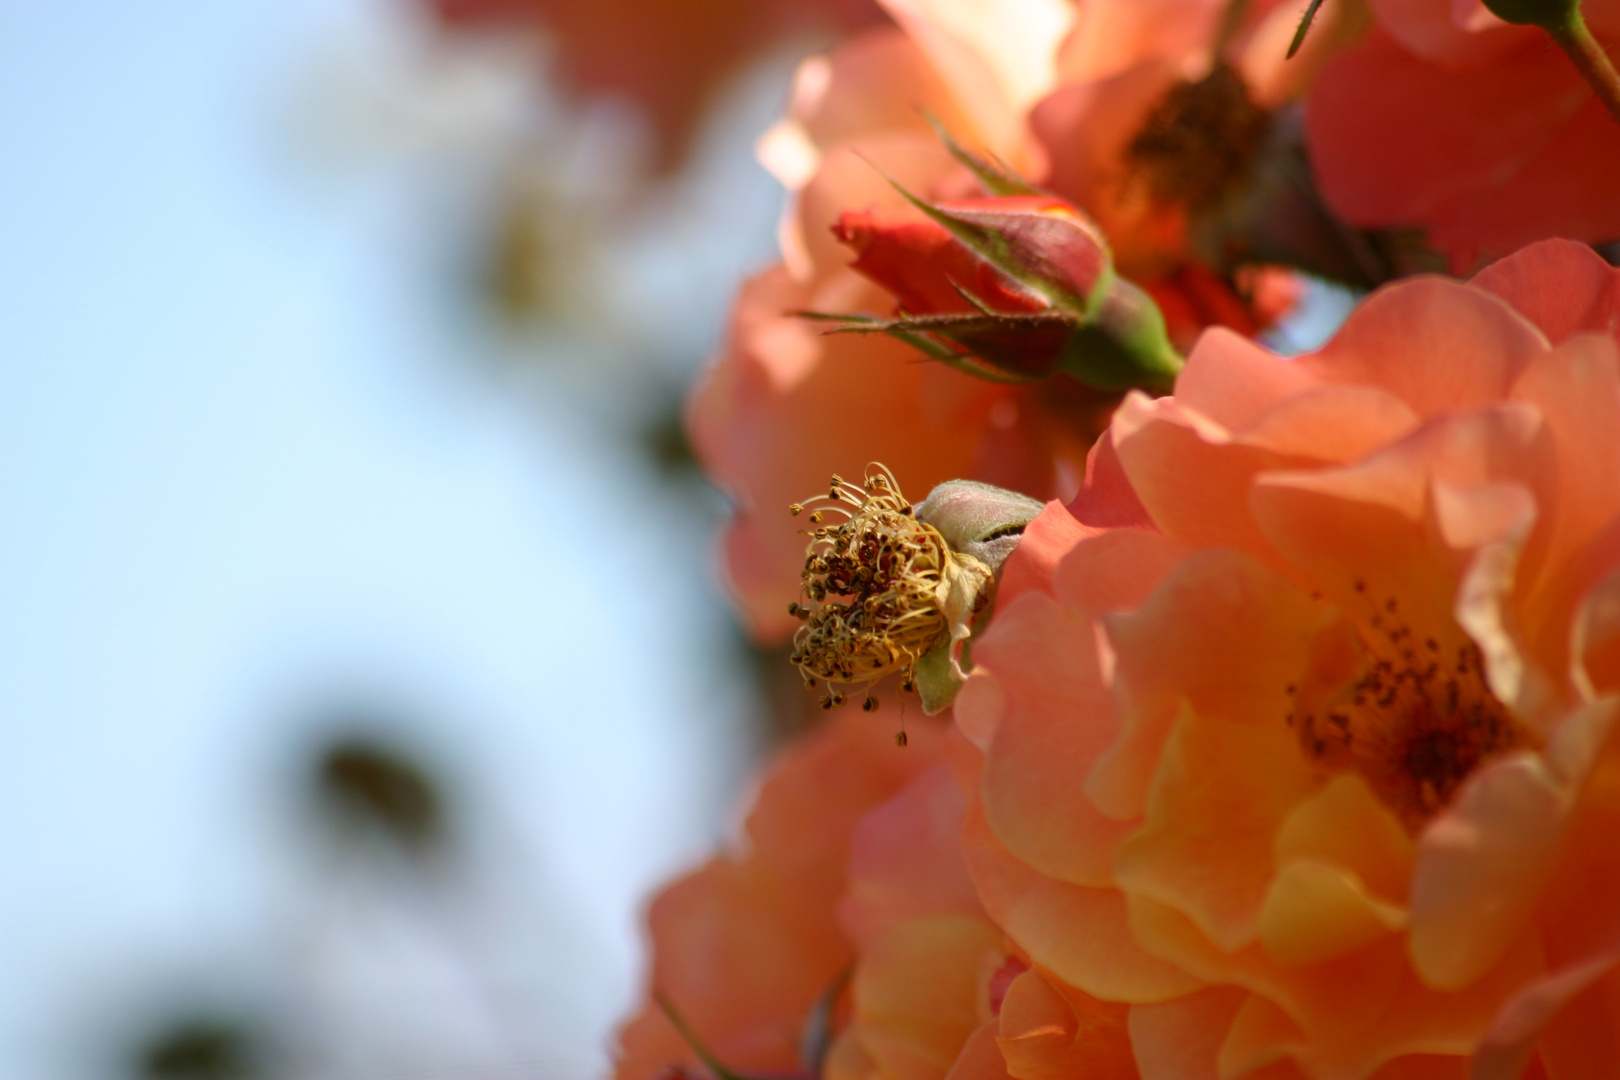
(747, 947)
(1292, 721)
(1481, 133)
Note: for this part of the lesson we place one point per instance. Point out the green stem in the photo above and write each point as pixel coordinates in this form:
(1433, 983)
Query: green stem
(690, 1038)
(1590, 60)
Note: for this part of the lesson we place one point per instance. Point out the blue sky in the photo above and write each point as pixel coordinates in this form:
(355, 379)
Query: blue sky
(245, 461)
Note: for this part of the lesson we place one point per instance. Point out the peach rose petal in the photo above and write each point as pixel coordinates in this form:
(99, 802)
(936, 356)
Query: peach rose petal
(1190, 476)
(1348, 992)
(1563, 287)
(847, 1059)
(1053, 730)
(1473, 345)
(1595, 640)
(1077, 934)
(915, 992)
(747, 944)
(1582, 1042)
(1330, 424)
(876, 82)
(905, 860)
(1111, 33)
(997, 58)
(1573, 1013)
(1576, 388)
(1222, 789)
(1223, 635)
(1316, 911)
(1031, 799)
(1180, 1039)
(1114, 571)
(1054, 1032)
(1107, 499)
(1356, 1012)
(1364, 533)
(710, 928)
(979, 708)
(1234, 381)
(1494, 521)
(980, 1058)
(1345, 825)
(1569, 1020)
(1032, 565)
(1261, 1035)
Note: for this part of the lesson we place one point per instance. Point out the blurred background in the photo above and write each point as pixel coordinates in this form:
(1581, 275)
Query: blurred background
(365, 662)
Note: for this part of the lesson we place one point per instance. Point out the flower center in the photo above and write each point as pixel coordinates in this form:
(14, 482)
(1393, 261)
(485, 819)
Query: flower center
(1199, 140)
(1415, 719)
(873, 582)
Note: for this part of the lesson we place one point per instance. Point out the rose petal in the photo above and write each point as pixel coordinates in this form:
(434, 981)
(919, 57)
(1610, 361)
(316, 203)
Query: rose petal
(916, 992)
(980, 1057)
(1469, 346)
(1055, 1032)
(1222, 635)
(1178, 1040)
(1078, 934)
(1316, 911)
(905, 860)
(1345, 825)
(1222, 790)
(1189, 475)
(1233, 380)
(997, 59)
(1563, 287)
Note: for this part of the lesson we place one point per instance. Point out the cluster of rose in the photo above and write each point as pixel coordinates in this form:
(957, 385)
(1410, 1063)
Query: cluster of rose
(1270, 701)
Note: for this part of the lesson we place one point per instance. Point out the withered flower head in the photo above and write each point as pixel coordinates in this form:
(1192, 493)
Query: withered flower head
(884, 587)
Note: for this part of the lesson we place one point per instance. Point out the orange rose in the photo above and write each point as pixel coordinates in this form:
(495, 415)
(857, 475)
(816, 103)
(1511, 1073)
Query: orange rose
(1296, 723)
(749, 945)
(1481, 133)
(854, 876)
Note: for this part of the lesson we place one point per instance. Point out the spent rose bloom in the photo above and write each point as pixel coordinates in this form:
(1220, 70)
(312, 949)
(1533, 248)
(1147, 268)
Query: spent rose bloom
(1481, 133)
(1296, 726)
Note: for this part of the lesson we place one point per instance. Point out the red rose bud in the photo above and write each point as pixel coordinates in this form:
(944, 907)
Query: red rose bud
(1014, 288)
(1019, 254)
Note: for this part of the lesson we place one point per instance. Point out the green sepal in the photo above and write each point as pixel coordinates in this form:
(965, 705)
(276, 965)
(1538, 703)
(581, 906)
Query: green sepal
(993, 174)
(984, 523)
(1126, 347)
(1304, 28)
(1554, 16)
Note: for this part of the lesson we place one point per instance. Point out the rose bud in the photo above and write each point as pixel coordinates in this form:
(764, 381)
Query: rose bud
(1014, 288)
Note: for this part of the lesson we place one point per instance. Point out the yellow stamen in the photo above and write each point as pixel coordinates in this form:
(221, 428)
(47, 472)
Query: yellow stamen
(880, 585)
